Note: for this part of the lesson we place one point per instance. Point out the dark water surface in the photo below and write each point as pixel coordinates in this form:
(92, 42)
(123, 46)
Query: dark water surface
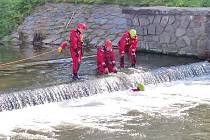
(28, 74)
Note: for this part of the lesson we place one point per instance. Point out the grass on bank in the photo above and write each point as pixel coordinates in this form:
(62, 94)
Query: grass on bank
(13, 11)
(178, 3)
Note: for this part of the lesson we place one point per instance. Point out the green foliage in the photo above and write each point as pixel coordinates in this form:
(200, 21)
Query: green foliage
(205, 3)
(13, 12)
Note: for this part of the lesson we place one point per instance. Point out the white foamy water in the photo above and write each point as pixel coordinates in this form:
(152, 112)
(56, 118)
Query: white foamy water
(168, 99)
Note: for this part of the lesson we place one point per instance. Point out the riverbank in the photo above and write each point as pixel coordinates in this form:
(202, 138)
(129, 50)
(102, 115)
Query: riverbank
(13, 12)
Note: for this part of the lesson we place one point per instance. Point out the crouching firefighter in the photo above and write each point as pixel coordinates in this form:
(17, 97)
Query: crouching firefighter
(128, 44)
(106, 58)
(76, 45)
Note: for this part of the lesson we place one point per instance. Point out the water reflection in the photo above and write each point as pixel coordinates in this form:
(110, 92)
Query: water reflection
(27, 74)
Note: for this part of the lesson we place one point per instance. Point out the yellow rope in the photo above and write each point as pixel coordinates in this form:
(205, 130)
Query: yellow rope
(22, 60)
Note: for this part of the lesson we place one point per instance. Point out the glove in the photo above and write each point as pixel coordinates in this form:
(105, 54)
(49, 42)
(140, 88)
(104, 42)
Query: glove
(106, 71)
(104, 64)
(113, 63)
(59, 50)
(82, 38)
(133, 52)
(115, 69)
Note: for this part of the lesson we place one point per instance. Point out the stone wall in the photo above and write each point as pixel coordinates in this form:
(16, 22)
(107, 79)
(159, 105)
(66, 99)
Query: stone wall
(180, 31)
(103, 21)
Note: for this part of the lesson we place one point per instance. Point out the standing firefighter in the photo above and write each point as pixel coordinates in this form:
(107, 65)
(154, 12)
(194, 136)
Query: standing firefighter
(128, 43)
(106, 58)
(76, 45)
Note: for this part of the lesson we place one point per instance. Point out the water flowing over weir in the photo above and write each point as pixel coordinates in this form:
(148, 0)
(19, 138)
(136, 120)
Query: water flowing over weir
(115, 82)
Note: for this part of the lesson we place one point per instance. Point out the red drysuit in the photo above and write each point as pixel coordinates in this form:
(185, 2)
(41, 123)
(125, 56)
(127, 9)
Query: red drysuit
(105, 60)
(76, 44)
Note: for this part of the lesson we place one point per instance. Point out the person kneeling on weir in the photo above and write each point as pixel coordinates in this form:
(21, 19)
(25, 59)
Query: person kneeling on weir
(106, 58)
(140, 87)
(76, 45)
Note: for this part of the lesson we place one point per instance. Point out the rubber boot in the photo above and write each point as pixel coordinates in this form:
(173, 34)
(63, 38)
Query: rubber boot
(133, 59)
(75, 77)
(122, 62)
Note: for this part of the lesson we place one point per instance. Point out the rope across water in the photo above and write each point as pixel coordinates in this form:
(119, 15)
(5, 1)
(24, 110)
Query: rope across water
(51, 51)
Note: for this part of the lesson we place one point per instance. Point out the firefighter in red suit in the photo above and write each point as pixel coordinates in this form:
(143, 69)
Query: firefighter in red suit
(76, 45)
(106, 58)
(128, 44)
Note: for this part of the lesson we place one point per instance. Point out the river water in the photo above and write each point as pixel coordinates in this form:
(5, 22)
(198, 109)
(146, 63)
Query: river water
(173, 109)
(29, 74)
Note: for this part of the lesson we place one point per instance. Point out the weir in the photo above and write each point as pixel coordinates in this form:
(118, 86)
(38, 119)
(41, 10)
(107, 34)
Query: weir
(115, 82)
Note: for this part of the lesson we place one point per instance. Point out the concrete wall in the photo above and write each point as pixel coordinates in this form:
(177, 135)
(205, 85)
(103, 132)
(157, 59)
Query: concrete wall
(180, 31)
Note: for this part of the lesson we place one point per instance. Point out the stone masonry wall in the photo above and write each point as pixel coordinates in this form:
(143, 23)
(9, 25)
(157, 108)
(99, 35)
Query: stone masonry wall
(180, 31)
(103, 21)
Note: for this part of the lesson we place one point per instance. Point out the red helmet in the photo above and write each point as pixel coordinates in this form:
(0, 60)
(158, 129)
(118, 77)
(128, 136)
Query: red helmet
(108, 43)
(82, 26)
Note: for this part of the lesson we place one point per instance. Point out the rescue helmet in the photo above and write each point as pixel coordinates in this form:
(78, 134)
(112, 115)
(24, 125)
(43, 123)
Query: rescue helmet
(108, 44)
(133, 33)
(82, 26)
(141, 86)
